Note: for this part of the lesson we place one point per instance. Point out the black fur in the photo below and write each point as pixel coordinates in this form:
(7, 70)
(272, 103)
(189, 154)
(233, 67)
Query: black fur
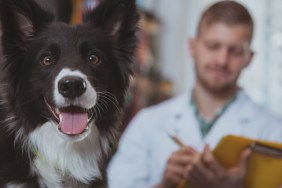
(29, 32)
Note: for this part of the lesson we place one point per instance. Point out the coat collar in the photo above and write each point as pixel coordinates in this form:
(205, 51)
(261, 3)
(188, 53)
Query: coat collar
(182, 102)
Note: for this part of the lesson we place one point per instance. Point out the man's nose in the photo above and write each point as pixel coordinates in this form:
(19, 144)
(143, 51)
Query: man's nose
(222, 57)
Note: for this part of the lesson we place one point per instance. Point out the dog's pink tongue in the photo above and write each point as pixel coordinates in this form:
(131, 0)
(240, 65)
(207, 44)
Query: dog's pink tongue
(73, 123)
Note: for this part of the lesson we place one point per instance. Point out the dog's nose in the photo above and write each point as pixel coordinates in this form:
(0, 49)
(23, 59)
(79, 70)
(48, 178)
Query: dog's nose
(72, 87)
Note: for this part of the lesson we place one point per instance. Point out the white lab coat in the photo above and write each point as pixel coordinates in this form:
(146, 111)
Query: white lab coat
(145, 146)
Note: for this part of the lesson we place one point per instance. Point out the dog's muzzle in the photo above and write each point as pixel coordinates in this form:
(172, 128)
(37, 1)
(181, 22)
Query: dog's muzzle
(72, 117)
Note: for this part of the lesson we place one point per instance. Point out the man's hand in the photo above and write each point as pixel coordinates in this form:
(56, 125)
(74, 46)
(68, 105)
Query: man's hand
(175, 170)
(204, 171)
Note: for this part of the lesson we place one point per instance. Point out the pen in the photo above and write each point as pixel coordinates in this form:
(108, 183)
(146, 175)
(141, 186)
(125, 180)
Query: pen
(179, 142)
(176, 140)
(183, 183)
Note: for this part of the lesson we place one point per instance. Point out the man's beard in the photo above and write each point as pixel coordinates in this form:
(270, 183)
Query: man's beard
(215, 89)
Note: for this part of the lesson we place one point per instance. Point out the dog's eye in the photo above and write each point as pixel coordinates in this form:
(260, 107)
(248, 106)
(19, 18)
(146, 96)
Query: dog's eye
(93, 59)
(47, 60)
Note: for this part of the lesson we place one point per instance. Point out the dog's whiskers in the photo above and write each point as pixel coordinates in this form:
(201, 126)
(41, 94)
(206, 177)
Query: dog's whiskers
(49, 118)
(104, 103)
(109, 97)
(97, 114)
(98, 108)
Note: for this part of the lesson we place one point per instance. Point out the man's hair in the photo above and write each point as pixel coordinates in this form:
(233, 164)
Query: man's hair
(227, 12)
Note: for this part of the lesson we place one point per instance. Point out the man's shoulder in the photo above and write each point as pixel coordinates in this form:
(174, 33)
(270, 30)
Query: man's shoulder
(161, 112)
(256, 110)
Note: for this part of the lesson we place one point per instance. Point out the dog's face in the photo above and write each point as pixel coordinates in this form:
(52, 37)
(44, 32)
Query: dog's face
(78, 76)
(67, 75)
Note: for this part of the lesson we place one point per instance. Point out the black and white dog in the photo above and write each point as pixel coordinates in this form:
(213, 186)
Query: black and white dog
(62, 93)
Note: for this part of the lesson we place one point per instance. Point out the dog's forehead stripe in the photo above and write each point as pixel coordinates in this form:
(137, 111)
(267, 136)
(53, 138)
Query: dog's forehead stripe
(69, 72)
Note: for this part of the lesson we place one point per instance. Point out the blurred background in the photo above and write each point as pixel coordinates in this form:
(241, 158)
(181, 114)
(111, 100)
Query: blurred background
(163, 64)
(178, 19)
(262, 80)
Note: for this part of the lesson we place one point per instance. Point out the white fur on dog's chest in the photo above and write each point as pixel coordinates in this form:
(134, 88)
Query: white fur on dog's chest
(58, 157)
(49, 176)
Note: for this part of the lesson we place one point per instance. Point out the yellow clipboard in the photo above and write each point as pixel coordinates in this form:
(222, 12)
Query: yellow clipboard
(265, 165)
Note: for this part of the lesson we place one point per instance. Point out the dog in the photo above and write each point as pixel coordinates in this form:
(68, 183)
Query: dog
(63, 92)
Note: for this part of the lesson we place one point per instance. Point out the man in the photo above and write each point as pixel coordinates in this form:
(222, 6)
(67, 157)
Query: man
(148, 157)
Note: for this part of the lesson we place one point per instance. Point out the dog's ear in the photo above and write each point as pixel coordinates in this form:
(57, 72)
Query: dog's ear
(117, 18)
(20, 20)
